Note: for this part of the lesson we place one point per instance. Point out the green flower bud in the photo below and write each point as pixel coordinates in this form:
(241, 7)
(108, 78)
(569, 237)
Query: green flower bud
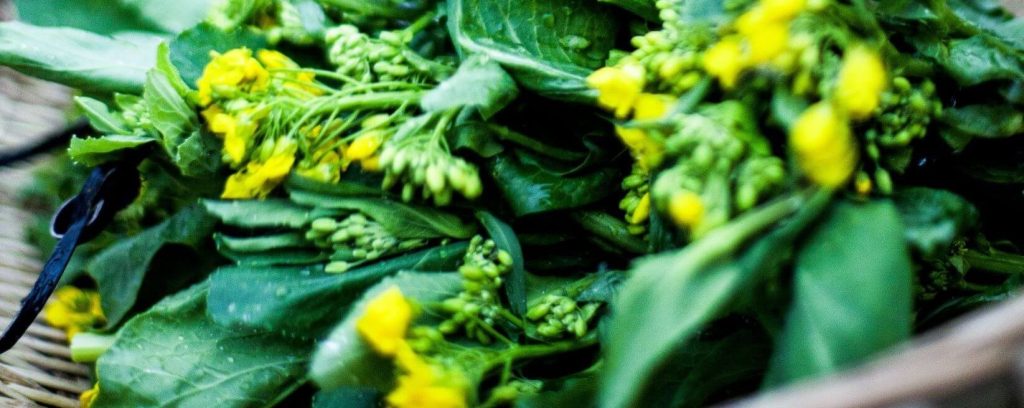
(336, 267)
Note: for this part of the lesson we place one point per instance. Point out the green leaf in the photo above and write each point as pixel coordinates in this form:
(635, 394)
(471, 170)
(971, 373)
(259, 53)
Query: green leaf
(100, 117)
(677, 293)
(276, 257)
(642, 8)
(344, 360)
(199, 156)
(933, 218)
(168, 111)
(978, 59)
(96, 150)
(401, 220)
(985, 121)
(346, 397)
(271, 213)
(305, 301)
(190, 50)
(155, 262)
(98, 16)
(479, 83)
(549, 46)
(503, 235)
(262, 242)
(852, 295)
(170, 16)
(529, 188)
(174, 355)
(77, 58)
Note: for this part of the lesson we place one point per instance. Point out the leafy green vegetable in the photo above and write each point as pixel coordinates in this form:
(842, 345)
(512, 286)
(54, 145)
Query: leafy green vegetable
(344, 360)
(77, 58)
(260, 214)
(848, 305)
(677, 293)
(95, 150)
(100, 117)
(529, 188)
(977, 59)
(548, 46)
(267, 298)
(170, 16)
(479, 83)
(98, 16)
(933, 218)
(401, 220)
(158, 261)
(642, 8)
(985, 121)
(173, 355)
(503, 235)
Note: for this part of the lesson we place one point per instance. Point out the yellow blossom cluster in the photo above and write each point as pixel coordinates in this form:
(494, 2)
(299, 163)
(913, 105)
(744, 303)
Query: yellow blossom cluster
(621, 91)
(383, 326)
(822, 139)
(74, 310)
(762, 34)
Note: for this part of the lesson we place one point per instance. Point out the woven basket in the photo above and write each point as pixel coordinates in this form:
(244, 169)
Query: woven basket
(976, 361)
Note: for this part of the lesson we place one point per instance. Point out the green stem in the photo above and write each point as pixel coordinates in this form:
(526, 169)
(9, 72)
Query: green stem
(610, 228)
(998, 261)
(88, 347)
(537, 350)
(369, 101)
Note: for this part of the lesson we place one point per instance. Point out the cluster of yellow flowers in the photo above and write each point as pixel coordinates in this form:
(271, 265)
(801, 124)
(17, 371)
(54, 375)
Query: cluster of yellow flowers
(762, 36)
(383, 325)
(822, 139)
(237, 92)
(74, 310)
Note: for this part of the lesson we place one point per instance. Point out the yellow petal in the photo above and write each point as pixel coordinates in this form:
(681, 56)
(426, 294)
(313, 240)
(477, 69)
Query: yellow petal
(385, 320)
(862, 79)
(725, 61)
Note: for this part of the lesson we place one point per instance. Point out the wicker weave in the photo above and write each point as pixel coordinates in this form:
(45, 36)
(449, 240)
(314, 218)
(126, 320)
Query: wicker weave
(37, 371)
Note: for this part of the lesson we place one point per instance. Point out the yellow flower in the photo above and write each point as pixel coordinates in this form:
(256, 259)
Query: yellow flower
(652, 106)
(686, 208)
(862, 79)
(275, 60)
(74, 310)
(725, 60)
(87, 397)
(423, 385)
(300, 81)
(824, 146)
(618, 87)
(642, 210)
(257, 180)
(365, 146)
(385, 320)
(233, 71)
(769, 42)
(777, 10)
(647, 151)
(370, 164)
(236, 130)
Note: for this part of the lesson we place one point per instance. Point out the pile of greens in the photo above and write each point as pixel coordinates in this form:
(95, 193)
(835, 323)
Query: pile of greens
(451, 203)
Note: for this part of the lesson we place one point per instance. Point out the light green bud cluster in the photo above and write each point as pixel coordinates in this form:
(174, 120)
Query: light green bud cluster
(637, 185)
(290, 27)
(721, 159)
(355, 239)
(905, 113)
(228, 15)
(419, 164)
(478, 308)
(560, 316)
(134, 111)
(367, 59)
(425, 339)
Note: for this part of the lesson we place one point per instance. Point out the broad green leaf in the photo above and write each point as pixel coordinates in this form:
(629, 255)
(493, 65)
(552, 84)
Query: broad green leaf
(98, 16)
(174, 355)
(170, 16)
(100, 117)
(479, 83)
(275, 257)
(260, 214)
(352, 184)
(549, 46)
(262, 242)
(157, 261)
(190, 50)
(933, 218)
(305, 301)
(985, 121)
(344, 359)
(401, 220)
(77, 58)
(852, 295)
(677, 293)
(92, 151)
(578, 390)
(642, 8)
(168, 111)
(529, 188)
(199, 155)
(346, 397)
(978, 59)
(503, 235)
